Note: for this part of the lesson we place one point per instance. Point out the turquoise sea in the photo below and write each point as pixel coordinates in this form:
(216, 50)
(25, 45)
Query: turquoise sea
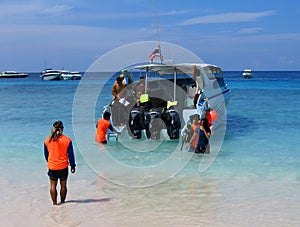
(254, 180)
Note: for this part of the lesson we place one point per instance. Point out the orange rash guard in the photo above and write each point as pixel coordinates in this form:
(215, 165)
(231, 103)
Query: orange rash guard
(101, 130)
(195, 141)
(59, 152)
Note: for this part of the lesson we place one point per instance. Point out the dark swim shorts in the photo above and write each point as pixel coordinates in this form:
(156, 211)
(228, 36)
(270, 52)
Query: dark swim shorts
(58, 174)
(202, 149)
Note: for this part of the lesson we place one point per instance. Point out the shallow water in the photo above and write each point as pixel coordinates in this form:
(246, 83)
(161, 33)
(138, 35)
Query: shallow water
(254, 179)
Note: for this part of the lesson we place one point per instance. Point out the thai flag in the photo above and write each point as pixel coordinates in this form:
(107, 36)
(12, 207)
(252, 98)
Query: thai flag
(155, 53)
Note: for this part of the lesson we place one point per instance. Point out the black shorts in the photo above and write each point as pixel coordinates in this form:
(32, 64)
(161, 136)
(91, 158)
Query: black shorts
(104, 142)
(203, 149)
(61, 174)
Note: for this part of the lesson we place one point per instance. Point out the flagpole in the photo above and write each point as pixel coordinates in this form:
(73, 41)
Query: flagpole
(156, 22)
(157, 32)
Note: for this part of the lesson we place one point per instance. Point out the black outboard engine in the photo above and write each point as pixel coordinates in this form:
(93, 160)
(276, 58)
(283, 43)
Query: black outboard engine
(173, 123)
(139, 119)
(156, 124)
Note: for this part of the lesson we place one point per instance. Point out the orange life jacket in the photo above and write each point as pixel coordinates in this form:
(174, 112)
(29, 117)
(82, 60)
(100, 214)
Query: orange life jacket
(196, 138)
(101, 130)
(58, 152)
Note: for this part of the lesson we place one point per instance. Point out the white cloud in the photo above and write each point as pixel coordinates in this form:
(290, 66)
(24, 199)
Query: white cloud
(137, 15)
(228, 17)
(33, 13)
(69, 13)
(249, 30)
(55, 9)
(26, 9)
(17, 9)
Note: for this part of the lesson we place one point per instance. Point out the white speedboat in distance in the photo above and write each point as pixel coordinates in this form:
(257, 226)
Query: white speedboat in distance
(71, 75)
(76, 75)
(176, 92)
(66, 75)
(247, 73)
(12, 74)
(50, 74)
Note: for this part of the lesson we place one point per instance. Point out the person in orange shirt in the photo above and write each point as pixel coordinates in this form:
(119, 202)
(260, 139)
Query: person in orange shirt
(194, 139)
(58, 152)
(102, 126)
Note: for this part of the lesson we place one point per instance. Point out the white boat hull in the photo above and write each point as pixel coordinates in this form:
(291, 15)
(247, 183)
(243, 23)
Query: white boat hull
(70, 76)
(13, 74)
(51, 77)
(66, 77)
(247, 73)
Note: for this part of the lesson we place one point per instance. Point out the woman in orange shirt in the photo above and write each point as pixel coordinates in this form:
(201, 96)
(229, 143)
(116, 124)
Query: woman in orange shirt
(194, 139)
(58, 151)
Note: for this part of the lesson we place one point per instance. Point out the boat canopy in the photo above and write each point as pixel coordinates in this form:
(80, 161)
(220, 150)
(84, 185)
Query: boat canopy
(10, 72)
(211, 71)
(248, 70)
(167, 69)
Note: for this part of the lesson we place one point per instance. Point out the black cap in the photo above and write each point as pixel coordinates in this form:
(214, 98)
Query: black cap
(58, 124)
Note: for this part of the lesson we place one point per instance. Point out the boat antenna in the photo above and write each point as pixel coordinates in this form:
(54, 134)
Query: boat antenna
(157, 32)
(156, 22)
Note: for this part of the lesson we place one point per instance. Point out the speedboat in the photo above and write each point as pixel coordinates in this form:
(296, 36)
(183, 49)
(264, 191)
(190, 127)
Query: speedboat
(172, 93)
(12, 74)
(76, 75)
(51, 74)
(247, 73)
(67, 75)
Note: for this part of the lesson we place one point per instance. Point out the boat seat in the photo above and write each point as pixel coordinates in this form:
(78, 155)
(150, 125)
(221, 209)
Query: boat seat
(156, 97)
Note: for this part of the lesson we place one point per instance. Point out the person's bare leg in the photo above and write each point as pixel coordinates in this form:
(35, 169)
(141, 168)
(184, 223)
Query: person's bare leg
(63, 191)
(53, 192)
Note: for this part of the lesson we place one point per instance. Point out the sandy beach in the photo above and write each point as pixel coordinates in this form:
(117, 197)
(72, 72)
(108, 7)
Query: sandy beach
(207, 202)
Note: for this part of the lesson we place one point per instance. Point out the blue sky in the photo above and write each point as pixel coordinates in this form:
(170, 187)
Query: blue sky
(262, 35)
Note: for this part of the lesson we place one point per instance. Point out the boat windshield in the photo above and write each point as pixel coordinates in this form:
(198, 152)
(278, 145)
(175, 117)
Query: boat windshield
(10, 72)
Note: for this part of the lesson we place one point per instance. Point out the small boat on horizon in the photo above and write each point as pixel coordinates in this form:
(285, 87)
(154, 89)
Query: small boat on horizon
(13, 74)
(51, 74)
(67, 75)
(247, 73)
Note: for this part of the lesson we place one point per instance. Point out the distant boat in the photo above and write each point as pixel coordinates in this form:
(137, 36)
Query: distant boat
(76, 75)
(51, 74)
(67, 75)
(12, 74)
(247, 73)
